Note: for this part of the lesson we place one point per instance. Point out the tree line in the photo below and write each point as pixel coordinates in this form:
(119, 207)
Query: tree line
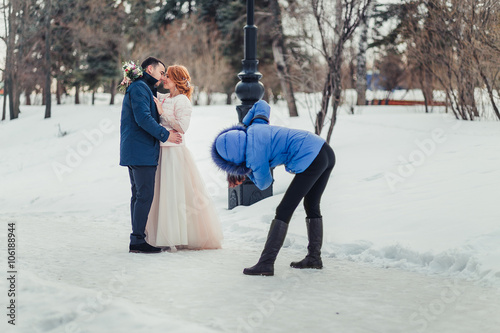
(73, 46)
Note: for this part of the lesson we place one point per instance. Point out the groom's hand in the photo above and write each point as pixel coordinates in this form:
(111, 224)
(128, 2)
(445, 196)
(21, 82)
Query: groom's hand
(174, 137)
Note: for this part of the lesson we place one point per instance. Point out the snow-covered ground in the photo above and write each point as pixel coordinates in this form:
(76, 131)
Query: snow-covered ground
(411, 244)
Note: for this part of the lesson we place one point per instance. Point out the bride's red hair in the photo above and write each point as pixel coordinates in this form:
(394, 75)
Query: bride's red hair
(181, 78)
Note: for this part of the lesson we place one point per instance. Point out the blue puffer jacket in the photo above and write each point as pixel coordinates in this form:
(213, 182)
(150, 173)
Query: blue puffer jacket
(255, 149)
(140, 132)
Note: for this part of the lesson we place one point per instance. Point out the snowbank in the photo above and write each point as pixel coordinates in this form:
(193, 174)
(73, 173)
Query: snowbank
(412, 191)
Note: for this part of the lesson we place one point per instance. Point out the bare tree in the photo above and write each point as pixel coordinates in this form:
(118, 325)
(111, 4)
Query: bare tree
(10, 88)
(25, 35)
(486, 49)
(457, 42)
(6, 8)
(361, 84)
(334, 31)
(48, 64)
(392, 70)
(280, 54)
(326, 26)
(198, 46)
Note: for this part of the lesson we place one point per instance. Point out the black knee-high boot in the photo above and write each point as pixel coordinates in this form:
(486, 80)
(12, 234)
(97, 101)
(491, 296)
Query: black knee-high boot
(315, 235)
(275, 239)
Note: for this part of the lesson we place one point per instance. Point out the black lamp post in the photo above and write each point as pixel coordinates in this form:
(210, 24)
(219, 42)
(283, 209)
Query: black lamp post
(249, 90)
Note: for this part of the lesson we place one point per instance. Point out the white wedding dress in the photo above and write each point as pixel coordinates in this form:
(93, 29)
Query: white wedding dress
(182, 213)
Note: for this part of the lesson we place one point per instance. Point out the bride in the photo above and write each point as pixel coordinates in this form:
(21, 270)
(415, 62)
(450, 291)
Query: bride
(182, 215)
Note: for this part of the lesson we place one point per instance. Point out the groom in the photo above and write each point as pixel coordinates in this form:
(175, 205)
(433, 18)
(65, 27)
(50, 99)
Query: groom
(140, 147)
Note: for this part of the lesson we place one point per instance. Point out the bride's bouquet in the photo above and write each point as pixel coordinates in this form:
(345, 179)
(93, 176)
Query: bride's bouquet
(131, 72)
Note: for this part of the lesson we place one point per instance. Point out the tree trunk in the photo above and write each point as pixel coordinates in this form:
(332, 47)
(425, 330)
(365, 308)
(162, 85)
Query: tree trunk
(487, 84)
(447, 102)
(275, 98)
(58, 91)
(336, 87)
(195, 96)
(4, 111)
(93, 96)
(465, 78)
(228, 98)
(280, 59)
(17, 101)
(284, 77)
(48, 65)
(27, 97)
(9, 92)
(466, 96)
(428, 88)
(325, 101)
(113, 92)
(265, 97)
(361, 84)
(10, 70)
(77, 94)
(14, 98)
(6, 18)
(470, 98)
(335, 67)
(422, 87)
(209, 97)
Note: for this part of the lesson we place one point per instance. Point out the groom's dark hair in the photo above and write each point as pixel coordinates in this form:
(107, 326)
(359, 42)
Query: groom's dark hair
(151, 61)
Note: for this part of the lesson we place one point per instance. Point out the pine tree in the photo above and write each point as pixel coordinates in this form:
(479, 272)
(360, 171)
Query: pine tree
(102, 43)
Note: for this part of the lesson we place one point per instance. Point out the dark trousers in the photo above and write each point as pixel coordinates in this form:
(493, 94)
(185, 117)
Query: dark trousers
(142, 179)
(308, 185)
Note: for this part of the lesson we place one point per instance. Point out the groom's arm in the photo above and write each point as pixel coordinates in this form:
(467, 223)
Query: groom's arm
(139, 98)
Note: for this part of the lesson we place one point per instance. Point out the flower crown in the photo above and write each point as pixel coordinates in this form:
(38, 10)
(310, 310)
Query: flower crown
(131, 72)
(188, 83)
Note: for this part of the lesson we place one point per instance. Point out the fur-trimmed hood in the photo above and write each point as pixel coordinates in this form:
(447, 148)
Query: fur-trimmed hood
(229, 150)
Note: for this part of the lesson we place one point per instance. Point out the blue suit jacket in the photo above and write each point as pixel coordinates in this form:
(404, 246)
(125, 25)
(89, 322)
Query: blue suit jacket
(140, 132)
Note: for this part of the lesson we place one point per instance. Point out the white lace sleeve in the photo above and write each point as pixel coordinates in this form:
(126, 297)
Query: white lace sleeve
(182, 114)
(161, 96)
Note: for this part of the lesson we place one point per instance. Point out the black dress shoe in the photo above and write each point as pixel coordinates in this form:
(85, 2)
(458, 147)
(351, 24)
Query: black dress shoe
(143, 248)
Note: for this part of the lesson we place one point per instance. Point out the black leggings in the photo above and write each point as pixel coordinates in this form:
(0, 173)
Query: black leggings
(309, 185)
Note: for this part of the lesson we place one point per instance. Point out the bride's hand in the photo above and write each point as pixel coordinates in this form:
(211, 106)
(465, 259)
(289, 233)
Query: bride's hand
(174, 137)
(125, 82)
(159, 105)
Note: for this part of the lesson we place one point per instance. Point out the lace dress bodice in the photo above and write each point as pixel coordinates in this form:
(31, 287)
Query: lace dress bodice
(176, 115)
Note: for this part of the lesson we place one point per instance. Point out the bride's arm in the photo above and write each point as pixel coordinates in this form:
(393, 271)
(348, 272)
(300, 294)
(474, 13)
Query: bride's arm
(161, 96)
(182, 114)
